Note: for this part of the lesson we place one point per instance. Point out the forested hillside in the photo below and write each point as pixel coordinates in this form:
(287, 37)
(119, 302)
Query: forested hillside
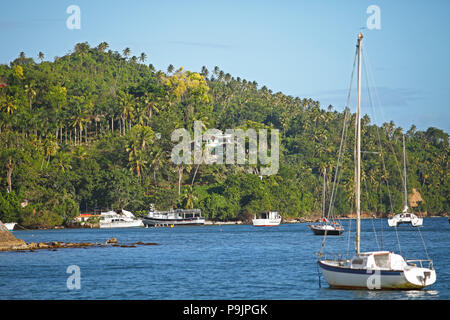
(92, 130)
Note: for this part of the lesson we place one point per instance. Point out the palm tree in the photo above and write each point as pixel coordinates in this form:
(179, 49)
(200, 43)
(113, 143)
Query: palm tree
(31, 93)
(62, 161)
(103, 46)
(8, 104)
(143, 57)
(50, 146)
(78, 121)
(126, 52)
(82, 49)
(188, 198)
(140, 138)
(41, 56)
(221, 75)
(170, 68)
(157, 162)
(127, 103)
(151, 103)
(204, 72)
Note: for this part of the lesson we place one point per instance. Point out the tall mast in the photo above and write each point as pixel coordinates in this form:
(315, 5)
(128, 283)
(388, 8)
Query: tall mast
(358, 152)
(323, 192)
(404, 175)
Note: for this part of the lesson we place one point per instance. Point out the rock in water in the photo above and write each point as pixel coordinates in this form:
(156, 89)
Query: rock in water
(112, 240)
(8, 241)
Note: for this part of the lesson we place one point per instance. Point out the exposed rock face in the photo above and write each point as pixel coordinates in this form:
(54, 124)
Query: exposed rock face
(414, 198)
(8, 241)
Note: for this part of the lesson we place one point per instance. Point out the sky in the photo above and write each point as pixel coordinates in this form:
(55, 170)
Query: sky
(302, 48)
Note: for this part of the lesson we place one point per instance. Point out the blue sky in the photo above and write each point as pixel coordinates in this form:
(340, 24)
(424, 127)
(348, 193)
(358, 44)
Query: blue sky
(301, 48)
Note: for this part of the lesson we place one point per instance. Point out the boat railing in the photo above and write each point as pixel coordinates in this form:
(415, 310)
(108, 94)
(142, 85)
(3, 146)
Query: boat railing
(422, 263)
(332, 256)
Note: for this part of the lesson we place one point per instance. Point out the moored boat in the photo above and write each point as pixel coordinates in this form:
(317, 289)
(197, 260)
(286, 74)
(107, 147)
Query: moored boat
(332, 229)
(10, 225)
(405, 217)
(266, 219)
(112, 219)
(177, 217)
(325, 226)
(378, 269)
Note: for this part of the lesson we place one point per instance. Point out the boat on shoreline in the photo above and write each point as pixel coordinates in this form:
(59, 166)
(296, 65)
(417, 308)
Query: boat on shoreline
(10, 225)
(266, 219)
(177, 217)
(112, 219)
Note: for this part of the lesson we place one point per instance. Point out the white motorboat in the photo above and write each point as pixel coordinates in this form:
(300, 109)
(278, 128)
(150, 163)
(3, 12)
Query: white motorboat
(112, 219)
(10, 225)
(266, 219)
(177, 217)
(377, 269)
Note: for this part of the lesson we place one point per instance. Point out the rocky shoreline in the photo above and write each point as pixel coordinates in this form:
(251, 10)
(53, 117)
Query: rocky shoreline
(8, 242)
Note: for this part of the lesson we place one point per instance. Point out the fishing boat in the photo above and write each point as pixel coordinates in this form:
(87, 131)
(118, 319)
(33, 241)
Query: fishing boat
(326, 226)
(177, 217)
(266, 219)
(126, 219)
(405, 217)
(376, 269)
(10, 225)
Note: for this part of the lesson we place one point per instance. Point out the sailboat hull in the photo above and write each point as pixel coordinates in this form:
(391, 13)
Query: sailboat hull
(320, 230)
(398, 219)
(347, 278)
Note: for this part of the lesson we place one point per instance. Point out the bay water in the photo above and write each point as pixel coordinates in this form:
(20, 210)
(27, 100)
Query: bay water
(214, 262)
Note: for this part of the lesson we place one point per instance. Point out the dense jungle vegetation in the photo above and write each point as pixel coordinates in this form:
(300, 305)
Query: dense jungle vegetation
(92, 130)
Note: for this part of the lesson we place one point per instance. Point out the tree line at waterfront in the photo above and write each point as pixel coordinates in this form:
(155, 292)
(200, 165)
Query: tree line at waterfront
(92, 130)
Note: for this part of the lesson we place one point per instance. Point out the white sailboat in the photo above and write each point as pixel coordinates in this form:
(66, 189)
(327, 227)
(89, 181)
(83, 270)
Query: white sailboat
(377, 269)
(405, 216)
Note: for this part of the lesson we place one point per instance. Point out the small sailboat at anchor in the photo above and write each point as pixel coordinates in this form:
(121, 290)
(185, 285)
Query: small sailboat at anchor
(376, 269)
(332, 228)
(406, 216)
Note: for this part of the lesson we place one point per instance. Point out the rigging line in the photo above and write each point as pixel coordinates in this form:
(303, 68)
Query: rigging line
(348, 238)
(373, 225)
(369, 68)
(343, 139)
(379, 138)
(398, 241)
(423, 242)
(346, 114)
(369, 75)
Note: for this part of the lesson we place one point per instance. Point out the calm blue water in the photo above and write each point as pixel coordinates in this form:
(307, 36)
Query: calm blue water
(211, 262)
